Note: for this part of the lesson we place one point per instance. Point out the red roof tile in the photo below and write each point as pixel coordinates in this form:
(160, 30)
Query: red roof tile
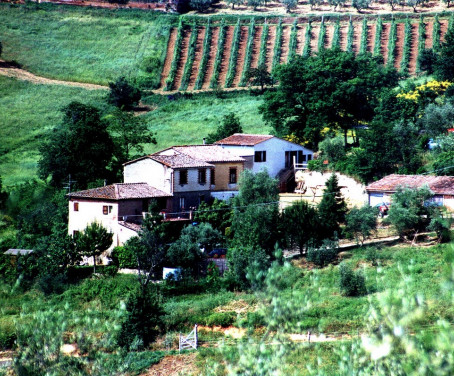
(242, 139)
(208, 153)
(179, 161)
(121, 191)
(438, 184)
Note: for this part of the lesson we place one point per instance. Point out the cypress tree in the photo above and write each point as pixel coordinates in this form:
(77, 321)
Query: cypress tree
(332, 208)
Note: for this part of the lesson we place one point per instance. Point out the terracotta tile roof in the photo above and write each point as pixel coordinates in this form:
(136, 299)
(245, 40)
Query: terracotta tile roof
(131, 226)
(242, 139)
(438, 184)
(208, 153)
(179, 161)
(121, 191)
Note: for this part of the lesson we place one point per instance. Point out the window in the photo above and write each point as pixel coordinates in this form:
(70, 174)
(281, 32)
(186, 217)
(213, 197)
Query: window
(202, 176)
(75, 233)
(232, 175)
(183, 177)
(260, 156)
(76, 206)
(212, 177)
(106, 209)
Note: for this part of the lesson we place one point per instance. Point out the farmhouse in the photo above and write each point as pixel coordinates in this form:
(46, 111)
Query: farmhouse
(266, 151)
(442, 187)
(117, 207)
(191, 174)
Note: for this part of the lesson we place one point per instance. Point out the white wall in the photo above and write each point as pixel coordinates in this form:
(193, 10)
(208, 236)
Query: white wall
(224, 195)
(193, 181)
(149, 171)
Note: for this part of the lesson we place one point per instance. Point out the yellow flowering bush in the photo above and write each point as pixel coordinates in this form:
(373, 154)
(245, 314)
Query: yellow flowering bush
(430, 88)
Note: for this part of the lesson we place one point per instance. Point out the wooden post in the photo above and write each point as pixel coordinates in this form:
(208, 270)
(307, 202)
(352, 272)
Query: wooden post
(196, 337)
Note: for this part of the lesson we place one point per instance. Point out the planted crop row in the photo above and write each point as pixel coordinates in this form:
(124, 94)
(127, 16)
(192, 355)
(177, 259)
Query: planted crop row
(233, 55)
(350, 36)
(378, 33)
(363, 44)
(336, 35)
(277, 45)
(406, 48)
(205, 57)
(263, 41)
(176, 57)
(249, 51)
(190, 59)
(322, 37)
(421, 40)
(392, 44)
(436, 35)
(307, 40)
(220, 50)
(292, 42)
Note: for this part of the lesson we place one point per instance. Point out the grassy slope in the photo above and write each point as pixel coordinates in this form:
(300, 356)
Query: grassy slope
(28, 111)
(187, 121)
(82, 44)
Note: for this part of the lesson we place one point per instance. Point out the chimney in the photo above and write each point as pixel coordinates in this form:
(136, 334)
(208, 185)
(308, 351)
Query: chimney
(204, 140)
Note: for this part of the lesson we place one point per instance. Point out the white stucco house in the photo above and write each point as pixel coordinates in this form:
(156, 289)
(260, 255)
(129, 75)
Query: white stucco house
(266, 151)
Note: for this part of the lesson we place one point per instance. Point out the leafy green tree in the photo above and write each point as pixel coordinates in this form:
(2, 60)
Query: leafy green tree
(426, 60)
(442, 227)
(235, 2)
(333, 89)
(437, 119)
(256, 216)
(301, 225)
(413, 4)
(445, 60)
(218, 215)
(93, 241)
(255, 3)
(361, 222)
(332, 207)
(80, 147)
(123, 94)
(351, 283)
(260, 76)
(289, 5)
(323, 254)
(444, 163)
(230, 125)
(332, 149)
(200, 5)
(359, 5)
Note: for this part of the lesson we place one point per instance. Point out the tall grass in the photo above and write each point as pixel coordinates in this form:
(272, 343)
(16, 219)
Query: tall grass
(205, 56)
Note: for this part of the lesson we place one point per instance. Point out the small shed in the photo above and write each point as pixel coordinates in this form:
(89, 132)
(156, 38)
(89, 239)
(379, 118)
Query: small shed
(13, 253)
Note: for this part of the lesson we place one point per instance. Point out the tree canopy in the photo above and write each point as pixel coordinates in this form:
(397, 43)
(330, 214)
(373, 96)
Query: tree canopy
(230, 125)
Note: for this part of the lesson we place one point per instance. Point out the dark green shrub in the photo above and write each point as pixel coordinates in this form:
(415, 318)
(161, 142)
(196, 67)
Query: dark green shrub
(124, 257)
(223, 319)
(351, 283)
(325, 254)
(7, 333)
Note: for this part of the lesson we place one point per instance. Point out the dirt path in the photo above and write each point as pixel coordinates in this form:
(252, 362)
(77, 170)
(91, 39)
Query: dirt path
(256, 47)
(169, 56)
(371, 29)
(429, 31)
(399, 44)
(285, 43)
(384, 41)
(211, 58)
(183, 57)
(244, 32)
(270, 47)
(173, 365)
(9, 70)
(197, 58)
(357, 31)
(226, 55)
(413, 48)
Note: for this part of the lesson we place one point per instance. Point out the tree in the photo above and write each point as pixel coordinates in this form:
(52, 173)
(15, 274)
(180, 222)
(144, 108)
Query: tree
(393, 3)
(444, 163)
(323, 254)
(426, 60)
(200, 5)
(260, 76)
(359, 5)
(80, 147)
(93, 241)
(230, 125)
(445, 61)
(218, 214)
(437, 119)
(332, 207)
(333, 89)
(3, 196)
(413, 4)
(235, 2)
(361, 222)
(332, 149)
(289, 5)
(123, 94)
(254, 3)
(351, 283)
(301, 225)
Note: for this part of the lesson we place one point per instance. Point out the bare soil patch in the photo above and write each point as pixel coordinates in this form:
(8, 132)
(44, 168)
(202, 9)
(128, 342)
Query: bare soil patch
(413, 48)
(241, 55)
(329, 35)
(343, 36)
(169, 56)
(174, 365)
(226, 56)
(429, 31)
(285, 43)
(384, 41)
(256, 46)
(314, 38)
(300, 38)
(197, 58)
(211, 58)
(443, 29)
(371, 30)
(357, 30)
(399, 44)
(183, 57)
(270, 47)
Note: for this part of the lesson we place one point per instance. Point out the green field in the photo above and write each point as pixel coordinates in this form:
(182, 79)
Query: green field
(84, 44)
(28, 111)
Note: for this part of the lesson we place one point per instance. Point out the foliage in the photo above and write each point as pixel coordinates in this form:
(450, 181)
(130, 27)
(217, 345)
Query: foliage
(392, 44)
(80, 147)
(190, 57)
(408, 213)
(337, 89)
(361, 222)
(293, 41)
(254, 3)
(406, 48)
(332, 207)
(307, 39)
(124, 256)
(170, 81)
(436, 34)
(218, 215)
(437, 119)
(200, 5)
(443, 64)
(364, 33)
(248, 57)
(259, 77)
(350, 36)
(336, 35)
(93, 241)
(302, 225)
(205, 56)
(322, 36)
(414, 4)
(235, 2)
(426, 60)
(263, 45)
(230, 125)
(378, 33)
(214, 82)
(332, 149)
(444, 162)
(277, 46)
(324, 254)
(7, 333)
(351, 283)
(289, 4)
(255, 215)
(142, 321)
(420, 62)
(123, 94)
(442, 227)
(359, 5)
(119, 2)
(233, 54)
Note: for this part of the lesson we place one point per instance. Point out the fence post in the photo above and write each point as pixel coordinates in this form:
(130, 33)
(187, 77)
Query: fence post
(196, 337)
(179, 343)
